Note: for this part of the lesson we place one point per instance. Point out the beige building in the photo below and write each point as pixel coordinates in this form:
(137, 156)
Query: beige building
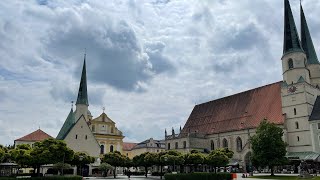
(107, 134)
(150, 145)
(293, 104)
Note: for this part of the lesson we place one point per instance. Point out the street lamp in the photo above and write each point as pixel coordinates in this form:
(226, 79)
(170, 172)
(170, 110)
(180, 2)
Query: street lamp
(80, 159)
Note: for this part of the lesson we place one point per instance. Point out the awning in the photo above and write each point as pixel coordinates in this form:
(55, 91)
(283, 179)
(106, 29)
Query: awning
(233, 162)
(302, 155)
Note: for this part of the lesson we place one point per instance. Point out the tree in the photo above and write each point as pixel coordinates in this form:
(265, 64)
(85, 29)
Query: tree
(80, 159)
(2, 154)
(105, 167)
(219, 157)
(50, 151)
(194, 159)
(21, 155)
(268, 147)
(172, 158)
(60, 166)
(115, 159)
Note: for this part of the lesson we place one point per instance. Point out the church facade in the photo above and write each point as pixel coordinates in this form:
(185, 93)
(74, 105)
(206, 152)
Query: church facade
(83, 133)
(293, 104)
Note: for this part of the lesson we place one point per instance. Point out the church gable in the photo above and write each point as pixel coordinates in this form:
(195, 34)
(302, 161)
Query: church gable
(81, 139)
(104, 118)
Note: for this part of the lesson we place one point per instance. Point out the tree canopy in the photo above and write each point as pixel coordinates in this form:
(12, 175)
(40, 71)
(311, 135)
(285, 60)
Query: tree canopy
(268, 147)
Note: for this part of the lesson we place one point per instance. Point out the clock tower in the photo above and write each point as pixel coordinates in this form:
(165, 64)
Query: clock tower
(297, 94)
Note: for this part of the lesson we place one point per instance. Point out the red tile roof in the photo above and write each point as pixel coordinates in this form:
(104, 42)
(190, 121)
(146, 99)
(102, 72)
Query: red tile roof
(126, 146)
(37, 135)
(240, 111)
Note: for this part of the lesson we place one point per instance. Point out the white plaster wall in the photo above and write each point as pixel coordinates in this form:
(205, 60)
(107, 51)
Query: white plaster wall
(81, 144)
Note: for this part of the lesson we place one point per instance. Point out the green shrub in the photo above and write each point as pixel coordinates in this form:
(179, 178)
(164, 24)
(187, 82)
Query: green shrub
(196, 176)
(157, 174)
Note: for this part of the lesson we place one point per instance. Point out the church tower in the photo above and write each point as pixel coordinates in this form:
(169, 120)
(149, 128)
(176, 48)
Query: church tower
(297, 94)
(82, 100)
(307, 45)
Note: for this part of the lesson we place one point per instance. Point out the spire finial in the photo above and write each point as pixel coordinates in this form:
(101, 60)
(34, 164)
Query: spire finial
(85, 53)
(103, 108)
(71, 105)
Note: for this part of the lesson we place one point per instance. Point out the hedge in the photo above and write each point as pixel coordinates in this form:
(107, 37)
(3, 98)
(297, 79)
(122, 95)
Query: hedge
(47, 177)
(200, 175)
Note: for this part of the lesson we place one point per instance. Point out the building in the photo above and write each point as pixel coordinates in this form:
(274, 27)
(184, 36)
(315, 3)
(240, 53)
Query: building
(150, 145)
(31, 138)
(82, 133)
(293, 104)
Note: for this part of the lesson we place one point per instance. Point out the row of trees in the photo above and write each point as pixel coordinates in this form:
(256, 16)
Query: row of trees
(49, 151)
(217, 158)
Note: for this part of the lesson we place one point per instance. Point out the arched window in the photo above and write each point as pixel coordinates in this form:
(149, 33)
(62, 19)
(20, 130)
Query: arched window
(76, 136)
(184, 144)
(111, 148)
(298, 138)
(295, 111)
(93, 128)
(239, 144)
(290, 63)
(176, 145)
(297, 125)
(212, 145)
(86, 137)
(101, 149)
(225, 143)
(168, 146)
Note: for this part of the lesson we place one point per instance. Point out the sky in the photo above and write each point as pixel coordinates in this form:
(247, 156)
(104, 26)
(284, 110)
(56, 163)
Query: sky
(148, 61)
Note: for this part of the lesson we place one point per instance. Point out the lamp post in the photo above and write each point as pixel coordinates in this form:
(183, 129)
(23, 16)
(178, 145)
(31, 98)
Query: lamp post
(80, 159)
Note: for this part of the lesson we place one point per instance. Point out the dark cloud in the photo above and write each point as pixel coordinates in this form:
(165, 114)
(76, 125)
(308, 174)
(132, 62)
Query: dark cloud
(160, 62)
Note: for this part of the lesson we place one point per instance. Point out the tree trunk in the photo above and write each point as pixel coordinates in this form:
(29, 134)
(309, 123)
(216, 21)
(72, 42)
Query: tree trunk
(38, 170)
(114, 172)
(272, 171)
(160, 171)
(146, 169)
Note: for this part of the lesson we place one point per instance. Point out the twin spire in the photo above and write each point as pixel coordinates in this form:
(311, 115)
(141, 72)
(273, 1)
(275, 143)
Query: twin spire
(82, 94)
(291, 41)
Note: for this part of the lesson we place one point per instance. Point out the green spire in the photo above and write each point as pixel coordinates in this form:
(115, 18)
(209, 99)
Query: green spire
(82, 94)
(291, 41)
(67, 125)
(306, 40)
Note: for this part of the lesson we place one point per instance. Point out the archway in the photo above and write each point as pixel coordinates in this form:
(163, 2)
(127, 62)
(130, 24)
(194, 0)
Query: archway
(248, 161)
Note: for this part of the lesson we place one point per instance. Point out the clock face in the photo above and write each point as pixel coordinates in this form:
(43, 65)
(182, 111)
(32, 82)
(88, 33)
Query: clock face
(292, 89)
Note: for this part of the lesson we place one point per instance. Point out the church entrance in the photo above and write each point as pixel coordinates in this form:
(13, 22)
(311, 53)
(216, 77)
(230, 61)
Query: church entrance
(83, 170)
(248, 162)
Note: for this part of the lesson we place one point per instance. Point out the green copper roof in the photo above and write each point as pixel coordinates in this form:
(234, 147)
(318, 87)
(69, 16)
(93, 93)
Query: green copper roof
(306, 40)
(291, 41)
(82, 94)
(67, 125)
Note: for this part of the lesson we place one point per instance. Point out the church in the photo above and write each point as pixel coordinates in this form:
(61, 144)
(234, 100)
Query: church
(293, 104)
(83, 133)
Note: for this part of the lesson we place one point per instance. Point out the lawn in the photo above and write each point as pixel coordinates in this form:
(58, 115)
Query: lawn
(282, 177)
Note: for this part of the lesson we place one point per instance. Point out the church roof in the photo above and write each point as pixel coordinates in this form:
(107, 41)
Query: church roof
(237, 112)
(126, 146)
(315, 114)
(291, 41)
(82, 94)
(35, 136)
(67, 125)
(306, 40)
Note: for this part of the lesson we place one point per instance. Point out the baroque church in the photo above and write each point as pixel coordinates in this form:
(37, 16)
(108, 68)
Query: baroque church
(293, 104)
(83, 133)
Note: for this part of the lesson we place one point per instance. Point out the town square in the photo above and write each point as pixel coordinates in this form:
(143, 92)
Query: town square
(159, 89)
